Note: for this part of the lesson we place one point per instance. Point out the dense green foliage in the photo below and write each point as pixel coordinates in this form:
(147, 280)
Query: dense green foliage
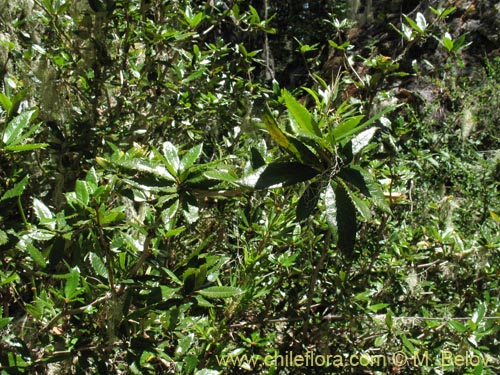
(194, 187)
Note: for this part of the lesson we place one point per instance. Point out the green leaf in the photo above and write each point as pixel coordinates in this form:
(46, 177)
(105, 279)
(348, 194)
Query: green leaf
(72, 283)
(375, 192)
(92, 178)
(15, 127)
(279, 137)
(345, 128)
(10, 279)
(377, 307)
(4, 321)
(220, 292)
(35, 254)
(344, 131)
(448, 42)
(457, 326)
(171, 158)
(308, 201)
(5, 102)
(479, 313)
(360, 205)
(4, 238)
(190, 157)
(346, 220)
(44, 214)
(82, 192)
(17, 190)
(98, 265)
(304, 119)
(412, 24)
(27, 147)
(190, 208)
(278, 174)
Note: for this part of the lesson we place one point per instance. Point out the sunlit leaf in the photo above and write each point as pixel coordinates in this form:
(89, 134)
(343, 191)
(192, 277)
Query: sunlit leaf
(278, 174)
(190, 157)
(303, 118)
(98, 265)
(16, 126)
(17, 190)
(43, 213)
(171, 157)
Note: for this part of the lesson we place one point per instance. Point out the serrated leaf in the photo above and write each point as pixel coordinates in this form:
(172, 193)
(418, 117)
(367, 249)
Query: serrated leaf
(98, 265)
(17, 190)
(190, 157)
(72, 283)
(35, 254)
(220, 292)
(278, 174)
(16, 125)
(43, 213)
(308, 201)
(303, 118)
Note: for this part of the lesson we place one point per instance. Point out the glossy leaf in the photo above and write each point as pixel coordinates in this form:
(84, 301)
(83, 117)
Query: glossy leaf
(171, 155)
(190, 208)
(278, 174)
(43, 213)
(331, 209)
(16, 126)
(82, 192)
(190, 157)
(98, 265)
